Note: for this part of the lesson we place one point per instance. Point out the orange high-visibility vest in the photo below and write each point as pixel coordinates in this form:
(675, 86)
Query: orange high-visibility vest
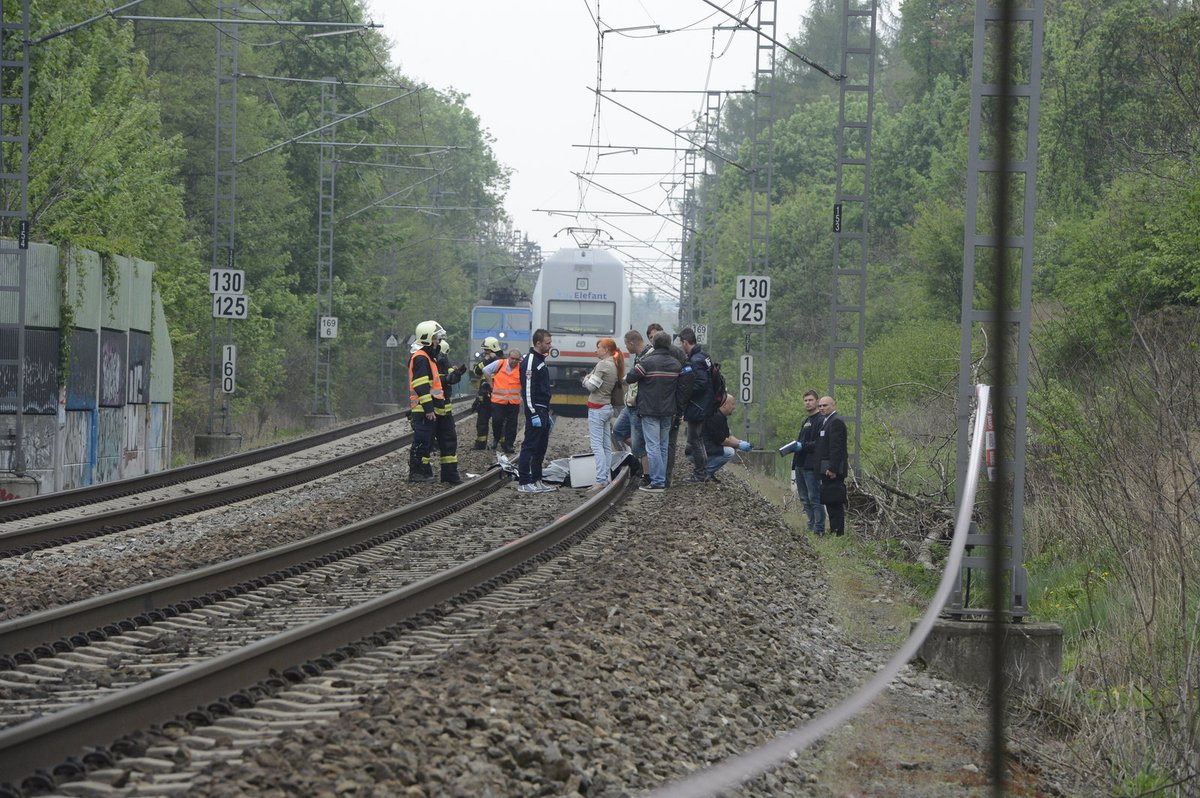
(506, 384)
(434, 382)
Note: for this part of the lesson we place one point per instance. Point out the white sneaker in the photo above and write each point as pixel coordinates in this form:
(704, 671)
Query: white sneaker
(532, 487)
(544, 488)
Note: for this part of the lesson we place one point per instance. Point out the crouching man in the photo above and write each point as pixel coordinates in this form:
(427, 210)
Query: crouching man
(718, 443)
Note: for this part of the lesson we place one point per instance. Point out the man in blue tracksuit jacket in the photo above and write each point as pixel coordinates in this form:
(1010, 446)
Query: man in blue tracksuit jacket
(535, 399)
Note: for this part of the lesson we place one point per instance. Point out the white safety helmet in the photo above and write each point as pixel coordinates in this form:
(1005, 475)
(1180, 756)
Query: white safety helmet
(445, 346)
(492, 343)
(427, 331)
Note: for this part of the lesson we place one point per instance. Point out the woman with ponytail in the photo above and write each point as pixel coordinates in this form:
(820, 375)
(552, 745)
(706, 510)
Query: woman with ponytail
(600, 383)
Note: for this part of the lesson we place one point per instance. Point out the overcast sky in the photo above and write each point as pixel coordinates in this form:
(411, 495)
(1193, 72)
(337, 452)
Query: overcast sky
(528, 67)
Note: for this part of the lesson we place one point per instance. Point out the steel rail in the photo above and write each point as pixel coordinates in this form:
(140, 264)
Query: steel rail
(78, 497)
(52, 739)
(98, 617)
(21, 541)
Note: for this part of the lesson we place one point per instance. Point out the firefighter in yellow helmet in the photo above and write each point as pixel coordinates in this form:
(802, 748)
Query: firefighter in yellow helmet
(451, 376)
(490, 352)
(429, 409)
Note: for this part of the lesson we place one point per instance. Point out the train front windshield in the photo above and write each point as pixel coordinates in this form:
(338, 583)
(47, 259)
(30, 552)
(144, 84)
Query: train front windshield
(582, 318)
(511, 325)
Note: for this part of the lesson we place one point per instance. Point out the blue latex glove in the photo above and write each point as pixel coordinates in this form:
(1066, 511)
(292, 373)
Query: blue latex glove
(536, 420)
(551, 422)
(745, 446)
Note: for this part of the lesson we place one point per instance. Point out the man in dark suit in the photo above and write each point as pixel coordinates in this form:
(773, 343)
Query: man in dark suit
(833, 464)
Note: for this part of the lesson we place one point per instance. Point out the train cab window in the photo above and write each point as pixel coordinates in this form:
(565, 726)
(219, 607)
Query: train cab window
(488, 319)
(582, 318)
(519, 321)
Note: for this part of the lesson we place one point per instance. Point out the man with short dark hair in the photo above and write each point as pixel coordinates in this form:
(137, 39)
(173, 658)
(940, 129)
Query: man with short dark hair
(696, 400)
(655, 375)
(628, 429)
(804, 464)
(833, 464)
(535, 399)
(653, 329)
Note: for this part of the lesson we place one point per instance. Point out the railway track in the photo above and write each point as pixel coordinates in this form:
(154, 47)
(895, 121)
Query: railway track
(44, 521)
(305, 607)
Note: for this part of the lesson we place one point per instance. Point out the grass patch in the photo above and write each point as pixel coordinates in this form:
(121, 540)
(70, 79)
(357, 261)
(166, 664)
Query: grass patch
(865, 597)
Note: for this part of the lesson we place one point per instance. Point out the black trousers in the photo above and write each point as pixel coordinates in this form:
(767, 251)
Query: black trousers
(504, 425)
(695, 439)
(418, 453)
(672, 444)
(533, 449)
(445, 438)
(837, 518)
(483, 419)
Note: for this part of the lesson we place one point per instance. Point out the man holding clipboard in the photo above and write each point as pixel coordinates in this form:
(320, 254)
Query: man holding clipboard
(804, 465)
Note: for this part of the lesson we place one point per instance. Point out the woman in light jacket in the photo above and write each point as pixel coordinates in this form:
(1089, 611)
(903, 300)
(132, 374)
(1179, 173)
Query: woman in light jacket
(600, 383)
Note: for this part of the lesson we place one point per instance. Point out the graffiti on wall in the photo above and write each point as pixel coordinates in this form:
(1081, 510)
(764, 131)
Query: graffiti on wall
(156, 442)
(108, 445)
(139, 368)
(81, 376)
(112, 368)
(40, 372)
(133, 454)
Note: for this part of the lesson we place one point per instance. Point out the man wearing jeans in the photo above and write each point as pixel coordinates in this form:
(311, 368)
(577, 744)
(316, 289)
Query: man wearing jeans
(804, 463)
(628, 429)
(656, 375)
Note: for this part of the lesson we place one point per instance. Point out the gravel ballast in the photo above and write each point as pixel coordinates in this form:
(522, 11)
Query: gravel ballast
(698, 628)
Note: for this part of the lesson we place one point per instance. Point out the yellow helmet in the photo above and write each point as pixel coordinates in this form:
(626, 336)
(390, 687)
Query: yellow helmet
(427, 331)
(492, 343)
(445, 346)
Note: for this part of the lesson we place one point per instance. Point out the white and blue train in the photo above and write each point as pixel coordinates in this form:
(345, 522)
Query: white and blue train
(582, 295)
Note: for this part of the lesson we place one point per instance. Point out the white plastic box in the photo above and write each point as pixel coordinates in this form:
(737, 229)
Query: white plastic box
(583, 470)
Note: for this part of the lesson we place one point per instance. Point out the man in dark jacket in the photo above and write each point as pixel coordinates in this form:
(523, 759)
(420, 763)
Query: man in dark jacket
(656, 375)
(804, 464)
(535, 399)
(719, 442)
(833, 463)
(653, 329)
(489, 353)
(697, 401)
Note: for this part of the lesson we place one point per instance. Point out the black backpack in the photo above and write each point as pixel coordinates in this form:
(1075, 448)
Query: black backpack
(716, 383)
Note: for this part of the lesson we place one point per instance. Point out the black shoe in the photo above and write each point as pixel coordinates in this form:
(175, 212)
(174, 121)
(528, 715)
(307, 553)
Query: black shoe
(645, 480)
(479, 446)
(457, 480)
(509, 450)
(420, 478)
(696, 479)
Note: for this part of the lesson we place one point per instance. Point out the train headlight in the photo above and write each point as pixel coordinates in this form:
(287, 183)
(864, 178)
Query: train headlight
(502, 334)
(553, 352)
